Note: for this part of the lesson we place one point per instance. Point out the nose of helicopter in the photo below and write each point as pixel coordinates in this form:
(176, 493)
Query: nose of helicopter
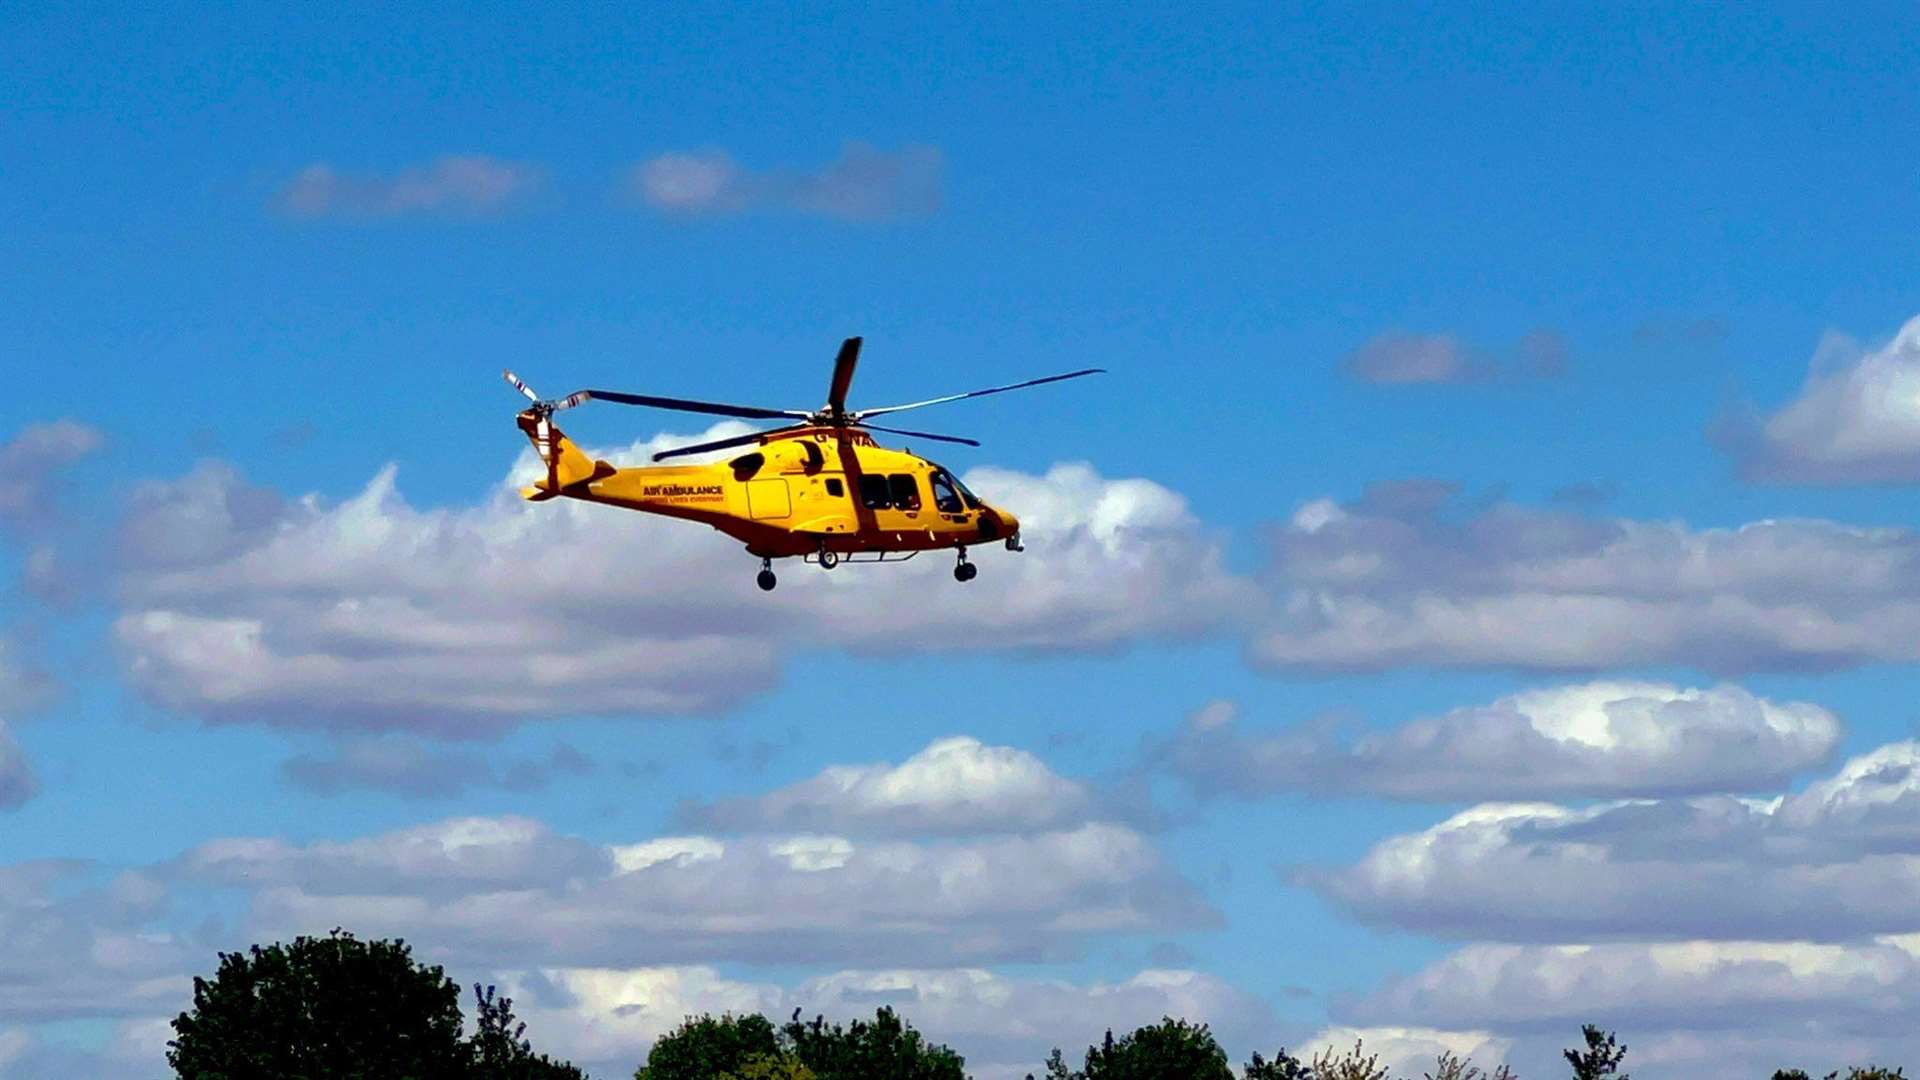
(998, 524)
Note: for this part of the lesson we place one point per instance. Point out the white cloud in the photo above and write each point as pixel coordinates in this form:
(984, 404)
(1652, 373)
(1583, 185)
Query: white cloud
(1604, 738)
(1840, 859)
(862, 184)
(464, 184)
(508, 890)
(1406, 1051)
(956, 785)
(1856, 419)
(1004, 1025)
(1382, 582)
(1717, 1010)
(371, 614)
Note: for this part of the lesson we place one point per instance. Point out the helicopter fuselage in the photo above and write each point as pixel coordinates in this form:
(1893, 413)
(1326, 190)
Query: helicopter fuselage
(802, 493)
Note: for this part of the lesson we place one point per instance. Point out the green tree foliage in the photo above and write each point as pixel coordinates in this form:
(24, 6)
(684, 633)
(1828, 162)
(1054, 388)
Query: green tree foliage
(771, 1067)
(1601, 1059)
(1167, 1050)
(705, 1047)
(1284, 1066)
(346, 1009)
(499, 1049)
(333, 1006)
(1355, 1064)
(887, 1048)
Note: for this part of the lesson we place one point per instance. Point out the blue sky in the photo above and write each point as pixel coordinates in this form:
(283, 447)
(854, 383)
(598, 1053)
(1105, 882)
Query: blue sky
(1454, 355)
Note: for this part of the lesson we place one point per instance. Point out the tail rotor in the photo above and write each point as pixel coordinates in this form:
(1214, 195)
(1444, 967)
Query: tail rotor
(537, 421)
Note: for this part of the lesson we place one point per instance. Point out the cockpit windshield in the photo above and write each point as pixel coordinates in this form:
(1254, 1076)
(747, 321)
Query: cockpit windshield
(973, 501)
(949, 494)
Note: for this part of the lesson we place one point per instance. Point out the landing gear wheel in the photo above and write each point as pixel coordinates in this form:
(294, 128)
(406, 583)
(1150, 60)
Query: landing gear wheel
(965, 572)
(828, 559)
(766, 580)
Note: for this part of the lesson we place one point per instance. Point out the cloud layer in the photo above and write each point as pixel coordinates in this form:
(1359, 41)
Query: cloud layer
(370, 614)
(1606, 739)
(1839, 860)
(862, 184)
(1402, 577)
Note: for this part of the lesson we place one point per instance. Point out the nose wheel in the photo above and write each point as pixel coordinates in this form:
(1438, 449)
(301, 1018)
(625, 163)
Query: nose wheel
(828, 559)
(766, 580)
(964, 570)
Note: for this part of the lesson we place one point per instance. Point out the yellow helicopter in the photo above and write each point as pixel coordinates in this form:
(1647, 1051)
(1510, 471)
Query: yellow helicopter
(819, 488)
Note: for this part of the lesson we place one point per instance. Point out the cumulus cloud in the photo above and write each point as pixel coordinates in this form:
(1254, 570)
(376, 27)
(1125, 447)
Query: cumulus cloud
(1607, 739)
(957, 785)
(371, 614)
(414, 769)
(1838, 860)
(1380, 583)
(1399, 358)
(1004, 1025)
(862, 184)
(1856, 419)
(455, 184)
(508, 890)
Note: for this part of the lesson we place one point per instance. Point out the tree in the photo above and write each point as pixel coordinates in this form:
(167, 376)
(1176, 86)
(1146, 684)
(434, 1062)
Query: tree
(1600, 1059)
(1451, 1066)
(1355, 1064)
(333, 1006)
(1284, 1066)
(886, 1049)
(770, 1067)
(1167, 1050)
(499, 1047)
(704, 1047)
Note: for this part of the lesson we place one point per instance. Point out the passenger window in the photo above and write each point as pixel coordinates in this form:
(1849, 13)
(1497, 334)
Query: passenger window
(906, 493)
(944, 497)
(873, 492)
(835, 488)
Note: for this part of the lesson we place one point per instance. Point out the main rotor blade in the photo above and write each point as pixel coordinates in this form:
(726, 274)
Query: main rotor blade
(722, 444)
(862, 414)
(522, 387)
(744, 412)
(922, 434)
(843, 375)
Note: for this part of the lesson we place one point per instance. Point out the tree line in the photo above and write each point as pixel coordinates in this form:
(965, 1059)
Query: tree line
(337, 1006)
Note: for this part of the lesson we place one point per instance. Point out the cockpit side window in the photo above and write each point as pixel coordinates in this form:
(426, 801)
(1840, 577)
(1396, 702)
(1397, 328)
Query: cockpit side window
(874, 494)
(906, 493)
(944, 497)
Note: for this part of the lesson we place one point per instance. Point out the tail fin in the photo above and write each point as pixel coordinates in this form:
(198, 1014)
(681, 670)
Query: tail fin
(566, 464)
